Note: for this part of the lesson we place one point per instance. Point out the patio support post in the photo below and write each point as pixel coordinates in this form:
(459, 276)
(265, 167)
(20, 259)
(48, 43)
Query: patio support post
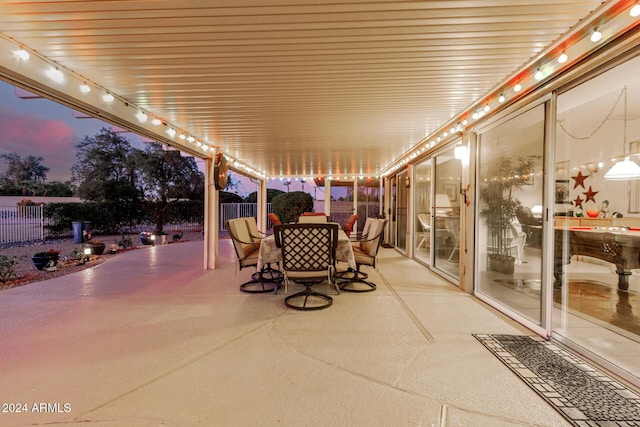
(211, 214)
(262, 205)
(327, 196)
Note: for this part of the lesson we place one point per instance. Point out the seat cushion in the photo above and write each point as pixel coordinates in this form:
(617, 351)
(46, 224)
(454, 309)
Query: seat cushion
(362, 258)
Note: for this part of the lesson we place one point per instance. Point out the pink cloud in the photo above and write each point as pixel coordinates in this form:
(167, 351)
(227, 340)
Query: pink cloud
(30, 134)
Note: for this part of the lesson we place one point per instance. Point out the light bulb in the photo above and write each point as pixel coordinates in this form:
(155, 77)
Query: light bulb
(517, 87)
(55, 75)
(85, 88)
(538, 75)
(596, 35)
(22, 54)
(171, 132)
(141, 116)
(501, 99)
(562, 58)
(107, 97)
(635, 10)
(156, 121)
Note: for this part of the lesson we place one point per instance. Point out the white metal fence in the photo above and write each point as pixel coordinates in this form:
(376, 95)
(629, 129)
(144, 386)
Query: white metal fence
(238, 210)
(21, 223)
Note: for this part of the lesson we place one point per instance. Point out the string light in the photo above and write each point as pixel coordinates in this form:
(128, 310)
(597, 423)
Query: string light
(502, 98)
(22, 54)
(635, 10)
(55, 75)
(538, 75)
(107, 97)
(141, 116)
(563, 58)
(596, 35)
(517, 87)
(85, 88)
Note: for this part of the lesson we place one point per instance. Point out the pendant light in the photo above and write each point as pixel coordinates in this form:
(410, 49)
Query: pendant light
(626, 169)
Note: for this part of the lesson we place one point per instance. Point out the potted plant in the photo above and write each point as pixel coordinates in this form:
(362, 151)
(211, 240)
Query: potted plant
(504, 175)
(47, 259)
(147, 238)
(97, 247)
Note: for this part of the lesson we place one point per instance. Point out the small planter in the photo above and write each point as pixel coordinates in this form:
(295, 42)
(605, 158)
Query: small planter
(97, 249)
(147, 238)
(43, 261)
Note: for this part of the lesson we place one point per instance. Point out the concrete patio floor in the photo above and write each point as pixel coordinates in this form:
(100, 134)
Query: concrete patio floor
(149, 338)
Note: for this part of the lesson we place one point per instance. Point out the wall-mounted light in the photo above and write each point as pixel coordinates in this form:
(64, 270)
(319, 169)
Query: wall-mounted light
(460, 152)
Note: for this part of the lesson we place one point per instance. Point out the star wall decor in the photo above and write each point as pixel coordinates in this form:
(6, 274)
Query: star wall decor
(579, 180)
(578, 202)
(590, 195)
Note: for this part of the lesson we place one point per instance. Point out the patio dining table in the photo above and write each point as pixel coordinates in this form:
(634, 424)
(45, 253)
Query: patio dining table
(270, 253)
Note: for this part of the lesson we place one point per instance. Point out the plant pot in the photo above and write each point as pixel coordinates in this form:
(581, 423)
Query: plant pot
(97, 249)
(502, 264)
(42, 261)
(145, 238)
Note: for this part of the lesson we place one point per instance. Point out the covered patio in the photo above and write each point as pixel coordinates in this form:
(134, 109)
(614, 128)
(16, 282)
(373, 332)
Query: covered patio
(150, 338)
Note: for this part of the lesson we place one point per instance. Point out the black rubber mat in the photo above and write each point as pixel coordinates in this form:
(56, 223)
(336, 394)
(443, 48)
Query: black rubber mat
(584, 395)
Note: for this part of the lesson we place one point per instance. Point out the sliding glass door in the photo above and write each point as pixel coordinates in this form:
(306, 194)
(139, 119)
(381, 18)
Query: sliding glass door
(596, 296)
(446, 214)
(422, 209)
(509, 224)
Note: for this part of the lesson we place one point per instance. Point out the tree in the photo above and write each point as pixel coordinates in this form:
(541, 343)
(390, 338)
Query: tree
(165, 176)
(105, 168)
(271, 193)
(27, 170)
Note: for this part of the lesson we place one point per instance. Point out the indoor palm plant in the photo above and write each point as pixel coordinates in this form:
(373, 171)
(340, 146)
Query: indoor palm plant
(504, 175)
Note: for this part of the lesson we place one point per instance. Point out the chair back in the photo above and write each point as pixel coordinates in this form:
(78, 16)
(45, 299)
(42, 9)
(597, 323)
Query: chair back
(371, 243)
(367, 227)
(349, 223)
(308, 250)
(312, 218)
(244, 246)
(274, 218)
(424, 221)
(254, 233)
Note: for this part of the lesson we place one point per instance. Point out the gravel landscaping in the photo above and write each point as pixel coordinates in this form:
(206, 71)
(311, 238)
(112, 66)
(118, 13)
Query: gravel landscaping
(28, 273)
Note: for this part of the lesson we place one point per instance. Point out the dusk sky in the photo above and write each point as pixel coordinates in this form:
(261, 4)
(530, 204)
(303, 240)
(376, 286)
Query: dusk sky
(40, 127)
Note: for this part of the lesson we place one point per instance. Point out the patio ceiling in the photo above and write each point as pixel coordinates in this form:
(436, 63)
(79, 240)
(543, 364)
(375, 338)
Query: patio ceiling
(289, 87)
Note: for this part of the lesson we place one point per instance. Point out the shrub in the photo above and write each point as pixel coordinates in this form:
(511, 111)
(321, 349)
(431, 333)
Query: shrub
(289, 206)
(8, 268)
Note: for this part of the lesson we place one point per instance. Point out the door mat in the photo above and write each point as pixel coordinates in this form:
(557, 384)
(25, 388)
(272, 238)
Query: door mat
(582, 394)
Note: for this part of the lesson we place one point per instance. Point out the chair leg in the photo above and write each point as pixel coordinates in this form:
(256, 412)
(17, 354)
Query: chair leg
(349, 284)
(307, 297)
(265, 280)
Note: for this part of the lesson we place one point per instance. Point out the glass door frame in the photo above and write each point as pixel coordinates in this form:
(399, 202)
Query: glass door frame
(548, 176)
